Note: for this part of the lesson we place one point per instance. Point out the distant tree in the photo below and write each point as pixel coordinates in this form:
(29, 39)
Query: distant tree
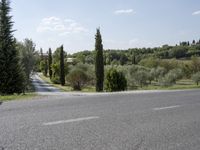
(178, 51)
(193, 42)
(195, 64)
(77, 79)
(123, 59)
(62, 66)
(27, 56)
(196, 78)
(99, 62)
(50, 63)
(41, 54)
(115, 81)
(12, 76)
(141, 77)
(45, 66)
(171, 77)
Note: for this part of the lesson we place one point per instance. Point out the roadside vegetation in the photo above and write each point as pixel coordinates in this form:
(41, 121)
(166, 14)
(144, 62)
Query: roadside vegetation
(17, 60)
(166, 67)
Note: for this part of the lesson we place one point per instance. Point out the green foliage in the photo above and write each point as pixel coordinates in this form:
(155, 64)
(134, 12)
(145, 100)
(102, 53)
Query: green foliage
(196, 78)
(171, 77)
(77, 78)
(27, 56)
(62, 66)
(195, 65)
(141, 77)
(178, 51)
(150, 62)
(50, 63)
(158, 72)
(115, 81)
(42, 66)
(45, 67)
(12, 76)
(99, 62)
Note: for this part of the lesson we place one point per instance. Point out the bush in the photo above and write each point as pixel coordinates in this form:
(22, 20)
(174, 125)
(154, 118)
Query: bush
(150, 62)
(157, 73)
(171, 77)
(115, 81)
(55, 79)
(196, 78)
(141, 77)
(77, 79)
(168, 80)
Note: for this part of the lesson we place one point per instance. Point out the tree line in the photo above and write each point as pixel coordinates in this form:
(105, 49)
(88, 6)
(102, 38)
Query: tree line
(106, 70)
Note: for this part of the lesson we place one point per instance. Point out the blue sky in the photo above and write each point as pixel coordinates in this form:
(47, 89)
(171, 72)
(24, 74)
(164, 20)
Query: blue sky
(124, 23)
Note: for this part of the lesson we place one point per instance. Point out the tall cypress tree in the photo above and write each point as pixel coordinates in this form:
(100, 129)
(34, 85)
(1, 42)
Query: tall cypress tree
(62, 66)
(12, 76)
(50, 63)
(46, 66)
(41, 55)
(99, 62)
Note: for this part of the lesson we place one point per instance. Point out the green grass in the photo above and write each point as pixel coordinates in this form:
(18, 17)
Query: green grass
(30, 94)
(66, 88)
(17, 97)
(180, 85)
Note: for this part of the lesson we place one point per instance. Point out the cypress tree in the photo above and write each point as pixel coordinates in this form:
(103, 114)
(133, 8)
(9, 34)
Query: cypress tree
(50, 63)
(41, 55)
(46, 66)
(12, 76)
(99, 62)
(62, 67)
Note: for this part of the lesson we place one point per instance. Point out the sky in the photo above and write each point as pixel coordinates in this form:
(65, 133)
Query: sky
(124, 23)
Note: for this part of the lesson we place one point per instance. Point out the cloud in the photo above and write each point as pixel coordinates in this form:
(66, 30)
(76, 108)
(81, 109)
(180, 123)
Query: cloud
(196, 13)
(62, 27)
(124, 11)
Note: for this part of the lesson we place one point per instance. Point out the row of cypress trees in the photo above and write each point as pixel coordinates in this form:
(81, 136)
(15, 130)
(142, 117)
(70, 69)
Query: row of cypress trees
(12, 76)
(99, 65)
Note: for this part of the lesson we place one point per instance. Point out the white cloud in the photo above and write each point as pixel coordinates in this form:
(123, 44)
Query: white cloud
(62, 27)
(124, 11)
(196, 13)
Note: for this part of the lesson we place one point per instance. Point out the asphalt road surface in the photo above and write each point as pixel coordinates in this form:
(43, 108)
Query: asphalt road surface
(43, 88)
(121, 121)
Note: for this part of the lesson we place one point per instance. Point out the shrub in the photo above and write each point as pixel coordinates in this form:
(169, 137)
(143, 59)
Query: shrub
(168, 80)
(55, 79)
(150, 62)
(141, 77)
(196, 78)
(115, 81)
(171, 77)
(158, 72)
(77, 79)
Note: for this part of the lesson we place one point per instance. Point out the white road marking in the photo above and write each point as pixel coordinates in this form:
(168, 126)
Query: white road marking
(170, 107)
(70, 121)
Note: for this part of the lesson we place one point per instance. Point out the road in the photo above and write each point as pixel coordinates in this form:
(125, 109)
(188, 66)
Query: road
(121, 121)
(43, 88)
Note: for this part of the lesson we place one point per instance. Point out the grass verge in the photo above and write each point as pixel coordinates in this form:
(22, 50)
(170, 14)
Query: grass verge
(30, 94)
(17, 97)
(180, 85)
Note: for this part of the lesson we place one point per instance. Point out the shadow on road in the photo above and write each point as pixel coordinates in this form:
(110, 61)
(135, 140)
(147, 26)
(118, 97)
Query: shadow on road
(1, 104)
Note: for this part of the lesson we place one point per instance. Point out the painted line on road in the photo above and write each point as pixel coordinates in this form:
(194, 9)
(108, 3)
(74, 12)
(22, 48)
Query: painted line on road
(169, 107)
(70, 121)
